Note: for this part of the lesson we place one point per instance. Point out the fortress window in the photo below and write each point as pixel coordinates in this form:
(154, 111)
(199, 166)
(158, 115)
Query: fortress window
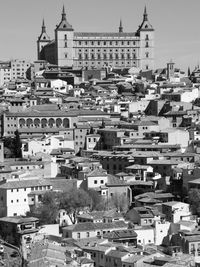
(147, 44)
(92, 56)
(80, 56)
(92, 43)
(65, 55)
(99, 56)
(133, 42)
(116, 56)
(111, 57)
(147, 37)
(147, 54)
(65, 36)
(65, 44)
(147, 67)
(85, 42)
(86, 56)
(98, 43)
(104, 43)
(128, 42)
(128, 56)
(79, 42)
(110, 43)
(122, 43)
(134, 56)
(122, 56)
(116, 43)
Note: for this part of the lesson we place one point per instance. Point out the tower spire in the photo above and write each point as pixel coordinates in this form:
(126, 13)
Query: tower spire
(120, 26)
(145, 15)
(43, 26)
(63, 13)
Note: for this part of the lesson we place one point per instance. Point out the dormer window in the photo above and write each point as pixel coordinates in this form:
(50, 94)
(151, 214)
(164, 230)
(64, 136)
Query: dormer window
(146, 26)
(44, 38)
(64, 26)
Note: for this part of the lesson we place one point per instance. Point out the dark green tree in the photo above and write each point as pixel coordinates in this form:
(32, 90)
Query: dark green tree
(97, 202)
(194, 200)
(189, 72)
(47, 210)
(74, 201)
(91, 130)
(18, 145)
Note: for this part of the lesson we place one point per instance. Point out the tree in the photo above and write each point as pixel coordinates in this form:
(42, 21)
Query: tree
(189, 72)
(74, 201)
(18, 145)
(97, 202)
(194, 200)
(47, 210)
(91, 130)
(119, 201)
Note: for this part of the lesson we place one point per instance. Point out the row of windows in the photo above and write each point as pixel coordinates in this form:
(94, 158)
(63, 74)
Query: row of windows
(32, 188)
(107, 42)
(106, 50)
(101, 182)
(117, 63)
(8, 125)
(88, 235)
(17, 200)
(11, 118)
(106, 56)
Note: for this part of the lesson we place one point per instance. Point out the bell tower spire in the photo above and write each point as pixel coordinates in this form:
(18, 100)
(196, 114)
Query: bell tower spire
(145, 15)
(43, 27)
(63, 13)
(120, 26)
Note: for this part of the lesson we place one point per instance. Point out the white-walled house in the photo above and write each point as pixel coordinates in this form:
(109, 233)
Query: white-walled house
(14, 193)
(145, 235)
(45, 145)
(176, 211)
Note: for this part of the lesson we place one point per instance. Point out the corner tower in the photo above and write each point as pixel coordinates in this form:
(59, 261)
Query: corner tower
(146, 52)
(64, 35)
(42, 41)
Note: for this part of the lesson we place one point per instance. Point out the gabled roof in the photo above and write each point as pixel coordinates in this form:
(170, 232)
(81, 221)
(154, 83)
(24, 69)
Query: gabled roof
(97, 172)
(18, 219)
(115, 181)
(90, 226)
(16, 183)
(121, 234)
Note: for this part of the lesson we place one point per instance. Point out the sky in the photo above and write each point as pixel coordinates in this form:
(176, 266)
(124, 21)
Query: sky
(176, 24)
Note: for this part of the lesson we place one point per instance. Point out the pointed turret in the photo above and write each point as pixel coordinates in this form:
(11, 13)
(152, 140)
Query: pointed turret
(43, 40)
(120, 26)
(43, 36)
(43, 27)
(64, 24)
(63, 13)
(145, 26)
(145, 15)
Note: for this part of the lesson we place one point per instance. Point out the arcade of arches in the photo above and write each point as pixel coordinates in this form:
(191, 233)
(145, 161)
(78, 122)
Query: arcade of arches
(44, 122)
